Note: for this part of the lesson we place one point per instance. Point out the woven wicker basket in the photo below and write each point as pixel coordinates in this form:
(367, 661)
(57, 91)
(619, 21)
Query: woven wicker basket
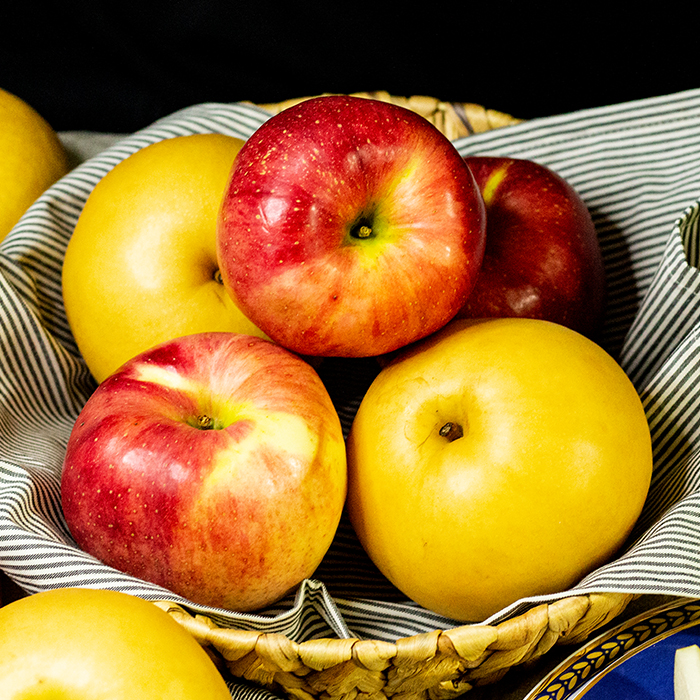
(436, 665)
(454, 119)
(442, 663)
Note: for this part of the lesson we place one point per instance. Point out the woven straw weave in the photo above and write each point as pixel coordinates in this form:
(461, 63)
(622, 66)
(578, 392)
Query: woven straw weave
(453, 119)
(438, 665)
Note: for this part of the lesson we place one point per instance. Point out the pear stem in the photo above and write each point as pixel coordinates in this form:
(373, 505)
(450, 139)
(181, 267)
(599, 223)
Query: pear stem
(451, 431)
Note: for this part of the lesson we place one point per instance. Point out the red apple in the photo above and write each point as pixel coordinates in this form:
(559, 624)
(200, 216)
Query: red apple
(350, 227)
(542, 257)
(213, 465)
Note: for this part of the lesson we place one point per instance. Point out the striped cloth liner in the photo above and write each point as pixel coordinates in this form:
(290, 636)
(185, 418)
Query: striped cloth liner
(637, 166)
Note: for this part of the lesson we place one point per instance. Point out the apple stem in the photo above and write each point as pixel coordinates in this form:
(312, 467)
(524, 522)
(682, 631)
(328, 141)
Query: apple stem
(205, 422)
(451, 431)
(362, 228)
(217, 277)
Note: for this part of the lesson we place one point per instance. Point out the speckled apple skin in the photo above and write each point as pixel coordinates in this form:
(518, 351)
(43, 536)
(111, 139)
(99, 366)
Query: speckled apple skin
(233, 517)
(299, 188)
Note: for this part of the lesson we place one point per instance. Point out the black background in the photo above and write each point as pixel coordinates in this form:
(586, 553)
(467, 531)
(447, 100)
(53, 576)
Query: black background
(118, 66)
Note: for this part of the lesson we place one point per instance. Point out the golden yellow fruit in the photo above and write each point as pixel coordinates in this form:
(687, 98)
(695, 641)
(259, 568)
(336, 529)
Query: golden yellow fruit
(141, 265)
(32, 158)
(83, 644)
(496, 460)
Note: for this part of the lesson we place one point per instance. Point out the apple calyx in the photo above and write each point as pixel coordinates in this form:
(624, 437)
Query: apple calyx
(451, 431)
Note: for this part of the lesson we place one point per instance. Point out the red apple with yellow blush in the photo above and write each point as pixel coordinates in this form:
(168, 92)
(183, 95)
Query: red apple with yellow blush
(213, 465)
(350, 227)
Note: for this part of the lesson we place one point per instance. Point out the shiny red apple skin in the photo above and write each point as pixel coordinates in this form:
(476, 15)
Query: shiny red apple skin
(234, 516)
(543, 258)
(288, 238)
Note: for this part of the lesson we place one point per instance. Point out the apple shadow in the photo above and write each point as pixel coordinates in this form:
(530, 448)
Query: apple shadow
(346, 570)
(347, 381)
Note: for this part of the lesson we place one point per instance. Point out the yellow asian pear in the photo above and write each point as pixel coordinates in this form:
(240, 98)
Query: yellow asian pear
(84, 644)
(496, 460)
(32, 158)
(141, 265)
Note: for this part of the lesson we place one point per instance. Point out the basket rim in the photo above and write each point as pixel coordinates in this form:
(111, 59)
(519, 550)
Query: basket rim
(445, 662)
(454, 119)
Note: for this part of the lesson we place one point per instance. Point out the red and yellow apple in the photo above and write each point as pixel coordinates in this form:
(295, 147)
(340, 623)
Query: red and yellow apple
(495, 460)
(213, 465)
(141, 267)
(349, 227)
(85, 644)
(542, 257)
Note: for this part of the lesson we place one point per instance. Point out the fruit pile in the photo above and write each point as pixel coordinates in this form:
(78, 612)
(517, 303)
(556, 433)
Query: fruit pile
(499, 453)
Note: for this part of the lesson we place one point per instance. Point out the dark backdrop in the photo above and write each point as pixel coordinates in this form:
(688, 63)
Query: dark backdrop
(117, 66)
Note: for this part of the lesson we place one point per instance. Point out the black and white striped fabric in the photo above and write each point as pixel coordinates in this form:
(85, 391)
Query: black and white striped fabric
(637, 166)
